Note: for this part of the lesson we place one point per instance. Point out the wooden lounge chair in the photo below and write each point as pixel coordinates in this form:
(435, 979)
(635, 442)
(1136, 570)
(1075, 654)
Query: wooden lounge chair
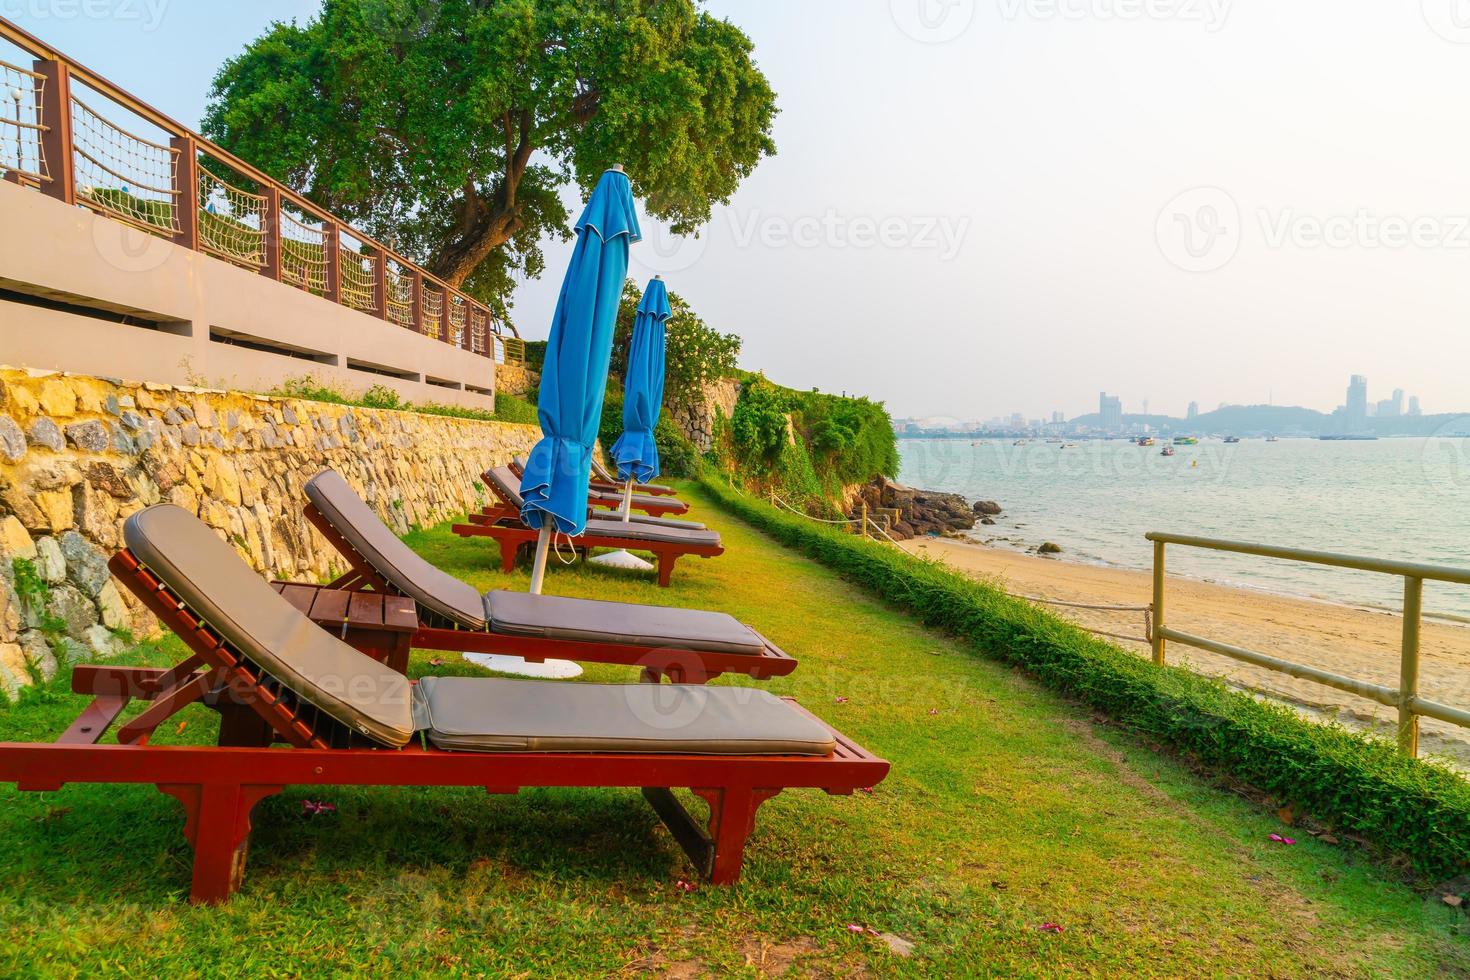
(502, 522)
(684, 645)
(604, 479)
(348, 720)
(611, 498)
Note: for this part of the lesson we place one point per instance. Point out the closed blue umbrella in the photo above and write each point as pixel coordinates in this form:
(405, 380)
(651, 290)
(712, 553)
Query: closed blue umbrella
(574, 375)
(636, 451)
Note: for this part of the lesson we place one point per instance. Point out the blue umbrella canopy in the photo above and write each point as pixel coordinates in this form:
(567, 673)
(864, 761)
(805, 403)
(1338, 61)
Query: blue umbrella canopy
(574, 375)
(636, 452)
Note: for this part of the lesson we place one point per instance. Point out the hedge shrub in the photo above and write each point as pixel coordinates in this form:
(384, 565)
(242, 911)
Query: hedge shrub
(1350, 783)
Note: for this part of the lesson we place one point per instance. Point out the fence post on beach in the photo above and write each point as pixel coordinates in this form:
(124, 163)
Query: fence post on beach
(865, 518)
(1409, 666)
(1158, 635)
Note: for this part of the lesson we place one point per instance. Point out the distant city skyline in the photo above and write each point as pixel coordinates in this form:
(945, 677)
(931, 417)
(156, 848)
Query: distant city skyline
(1356, 408)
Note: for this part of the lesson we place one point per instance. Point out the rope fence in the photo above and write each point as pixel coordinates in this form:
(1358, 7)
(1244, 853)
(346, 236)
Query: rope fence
(870, 524)
(22, 94)
(122, 174)
(304, 254)
(231, 221)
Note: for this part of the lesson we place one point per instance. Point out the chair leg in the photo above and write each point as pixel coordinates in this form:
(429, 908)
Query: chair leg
(217, 824)
(508, 551)
(731, 822)
(666, 568)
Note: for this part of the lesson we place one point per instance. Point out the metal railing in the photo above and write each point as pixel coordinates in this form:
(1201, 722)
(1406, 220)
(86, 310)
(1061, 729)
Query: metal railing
(1405, 698)
(203, 197)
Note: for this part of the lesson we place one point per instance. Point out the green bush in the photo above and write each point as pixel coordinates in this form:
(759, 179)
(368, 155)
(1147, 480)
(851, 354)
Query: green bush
(1351, 783)
(508, 408)
(677, 455)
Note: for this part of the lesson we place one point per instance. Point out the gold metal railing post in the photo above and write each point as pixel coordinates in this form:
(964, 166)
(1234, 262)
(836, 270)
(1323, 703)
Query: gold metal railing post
(865, 518)
(1409, 666)
(1158, 634)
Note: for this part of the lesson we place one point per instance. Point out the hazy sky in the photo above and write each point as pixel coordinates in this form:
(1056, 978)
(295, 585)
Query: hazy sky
(986, 207)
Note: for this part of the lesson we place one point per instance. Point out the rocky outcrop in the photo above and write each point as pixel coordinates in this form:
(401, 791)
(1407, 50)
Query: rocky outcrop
(95, 451)
(696, 418)
(515, 379)
(913, 512)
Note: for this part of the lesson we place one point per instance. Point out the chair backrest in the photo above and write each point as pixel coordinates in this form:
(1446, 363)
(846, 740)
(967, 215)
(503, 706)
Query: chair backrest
(398, 564)
(216, 584)
(601, 472)
(505, 485)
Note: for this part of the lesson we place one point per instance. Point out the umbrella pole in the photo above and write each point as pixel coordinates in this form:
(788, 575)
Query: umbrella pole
(627, 508)
(543, 544)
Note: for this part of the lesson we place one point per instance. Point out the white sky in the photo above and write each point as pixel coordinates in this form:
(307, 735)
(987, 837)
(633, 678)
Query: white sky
(975, 208)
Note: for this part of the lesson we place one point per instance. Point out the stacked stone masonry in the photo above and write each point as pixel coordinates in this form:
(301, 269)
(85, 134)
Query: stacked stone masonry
(78, 455)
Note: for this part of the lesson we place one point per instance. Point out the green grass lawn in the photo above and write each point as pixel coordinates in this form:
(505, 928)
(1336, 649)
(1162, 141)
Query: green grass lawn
(1007, 809)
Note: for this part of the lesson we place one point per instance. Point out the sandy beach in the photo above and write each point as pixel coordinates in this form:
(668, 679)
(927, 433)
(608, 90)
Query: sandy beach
(1356, 642)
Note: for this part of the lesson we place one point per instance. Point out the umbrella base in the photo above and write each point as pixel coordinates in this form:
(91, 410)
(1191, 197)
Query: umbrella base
(622, 559)
(502, 664)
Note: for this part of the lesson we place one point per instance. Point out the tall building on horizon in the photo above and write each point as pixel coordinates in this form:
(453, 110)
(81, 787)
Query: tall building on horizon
(1109, 410)
(1414, 408)
(1193, 412)
(1357, 399)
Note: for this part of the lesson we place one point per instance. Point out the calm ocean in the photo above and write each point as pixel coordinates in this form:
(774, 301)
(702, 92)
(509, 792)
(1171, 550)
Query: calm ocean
(1392, 498)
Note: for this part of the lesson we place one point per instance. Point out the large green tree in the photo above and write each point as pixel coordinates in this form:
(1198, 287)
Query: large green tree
(447, 127)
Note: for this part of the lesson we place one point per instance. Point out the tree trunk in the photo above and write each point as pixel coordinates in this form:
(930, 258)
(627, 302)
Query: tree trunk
(463, 251)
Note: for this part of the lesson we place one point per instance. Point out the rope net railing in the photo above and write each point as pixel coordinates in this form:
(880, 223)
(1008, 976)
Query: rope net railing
(357, 275)
(303, 251)
(479, 331)
(400, 295)
(21, 125)
(432, 312)
(231, 220)
(120, 173)
(458, 317)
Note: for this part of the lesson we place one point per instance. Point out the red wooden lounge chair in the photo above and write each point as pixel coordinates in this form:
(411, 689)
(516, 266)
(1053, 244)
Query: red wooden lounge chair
(611, 498)
(607, 481)
(348, 720)
(502, 522)
(685, 645)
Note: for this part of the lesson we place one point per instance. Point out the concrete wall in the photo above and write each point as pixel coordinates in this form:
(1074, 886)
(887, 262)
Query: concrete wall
(78, 455)
(189, 315)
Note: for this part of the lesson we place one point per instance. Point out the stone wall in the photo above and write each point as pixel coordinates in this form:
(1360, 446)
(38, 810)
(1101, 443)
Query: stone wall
(515, 379)
(78, 455)
(697, 418)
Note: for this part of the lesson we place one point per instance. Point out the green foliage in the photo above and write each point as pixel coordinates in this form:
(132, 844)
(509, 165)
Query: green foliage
(450, 128)
(695, 352)
(1353, 784)
(837, 441)
(35, 594)
(535, 354)
(677, 455)
(508, 408)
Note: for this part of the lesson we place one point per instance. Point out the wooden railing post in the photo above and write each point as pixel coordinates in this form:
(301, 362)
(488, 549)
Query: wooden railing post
(270, 220)
(380, 285)
(53, 101)
(466, 337)
(332, 256)
(1158, 638)
(186, 192)
(416, 301)
(1409, 666)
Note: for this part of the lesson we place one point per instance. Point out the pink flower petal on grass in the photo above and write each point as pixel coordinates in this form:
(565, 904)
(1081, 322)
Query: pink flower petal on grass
(1281, 840)
(685, 886)
(840, 700)
(314, 807)
(1051, 927)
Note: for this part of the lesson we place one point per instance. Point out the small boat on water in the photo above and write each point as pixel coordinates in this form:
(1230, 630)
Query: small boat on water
(1145, 440)
(1186, 440)
(1230, 439)
(1019, 442)
(1272, 439)
(1167, 451)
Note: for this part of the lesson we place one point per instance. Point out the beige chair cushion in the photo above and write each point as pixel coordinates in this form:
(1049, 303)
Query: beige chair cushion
(489, 714)
(427, 585)
(665, 522)
(563, 618)
(639, 500)
(602, 473)
(217, 585)
(614, 528)
(505, 485)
